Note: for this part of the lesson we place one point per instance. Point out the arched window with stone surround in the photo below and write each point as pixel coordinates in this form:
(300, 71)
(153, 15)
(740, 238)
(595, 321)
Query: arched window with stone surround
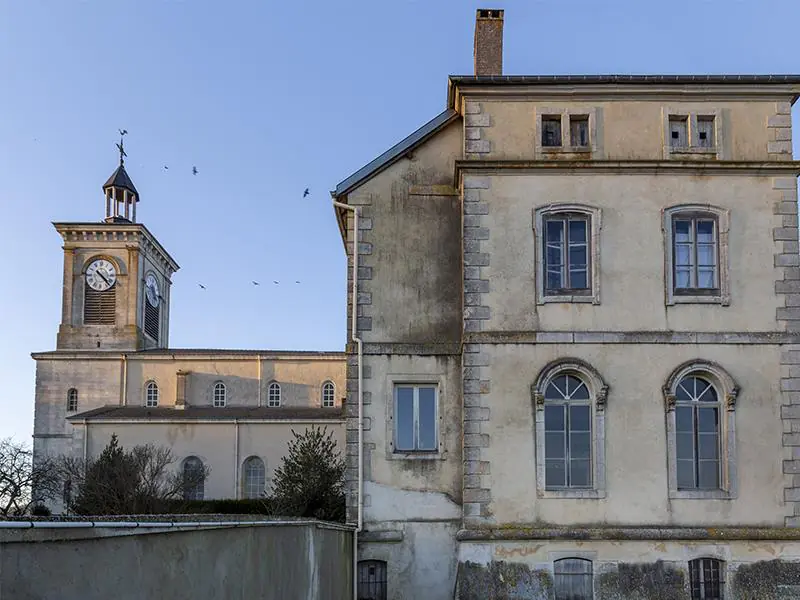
(328, 394)
(700, 402)
(274, 394)
(569, 399)
(220, 394)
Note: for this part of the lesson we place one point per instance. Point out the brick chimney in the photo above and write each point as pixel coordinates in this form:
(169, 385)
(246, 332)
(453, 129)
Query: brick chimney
(489, 42)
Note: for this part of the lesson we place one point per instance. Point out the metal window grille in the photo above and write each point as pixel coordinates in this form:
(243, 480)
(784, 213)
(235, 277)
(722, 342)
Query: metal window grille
(573, 579)
(372, 580)
(415, 418)
(707, 578)
(72, 400)
(220, 394)
(697, 431)
(151, 394)
(255, 478)
(274, 394)
(328, 394)
(566, 254)
(152, 320)
(695, 255)
(194, 487)
(99, 308)
(568, 434)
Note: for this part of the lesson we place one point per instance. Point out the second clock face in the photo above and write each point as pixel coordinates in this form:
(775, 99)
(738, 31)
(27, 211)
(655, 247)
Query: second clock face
(101, 275)
(151, 290)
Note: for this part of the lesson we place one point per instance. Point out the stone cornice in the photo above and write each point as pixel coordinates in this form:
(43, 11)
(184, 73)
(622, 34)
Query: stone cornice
(190, 354)
(640, 533)
(628, 167)
(122, 233)
(632, 337)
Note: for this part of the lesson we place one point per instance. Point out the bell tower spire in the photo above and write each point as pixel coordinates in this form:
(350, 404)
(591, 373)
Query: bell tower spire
(121, 195)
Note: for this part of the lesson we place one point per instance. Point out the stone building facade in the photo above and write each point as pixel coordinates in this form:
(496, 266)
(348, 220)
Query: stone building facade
(113, 371)
(576, 352)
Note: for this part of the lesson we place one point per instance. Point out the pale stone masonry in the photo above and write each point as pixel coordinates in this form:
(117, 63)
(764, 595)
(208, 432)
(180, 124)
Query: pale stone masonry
(521, 426)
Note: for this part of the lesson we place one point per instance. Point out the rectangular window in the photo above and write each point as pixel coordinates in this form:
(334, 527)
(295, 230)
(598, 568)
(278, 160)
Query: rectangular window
(579, 131)
(568, 446)
(551, 131)
(695, 255)
(573, 579)
(678, 132)
(566, 254)
(705, 132)
(415, 418)
(697, 447)
(706, 576)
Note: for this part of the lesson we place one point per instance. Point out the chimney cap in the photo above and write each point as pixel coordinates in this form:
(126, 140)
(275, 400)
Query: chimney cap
(489, 13)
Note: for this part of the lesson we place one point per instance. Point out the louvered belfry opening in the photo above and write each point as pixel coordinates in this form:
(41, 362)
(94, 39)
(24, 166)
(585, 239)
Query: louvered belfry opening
(152, 318)
(99, 308)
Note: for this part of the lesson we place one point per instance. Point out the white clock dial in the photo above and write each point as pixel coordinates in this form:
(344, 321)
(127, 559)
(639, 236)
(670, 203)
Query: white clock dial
(101, 275)
(151, 290)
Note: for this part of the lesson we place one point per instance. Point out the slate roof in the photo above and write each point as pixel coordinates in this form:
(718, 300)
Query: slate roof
(195, 413)
(121, 179)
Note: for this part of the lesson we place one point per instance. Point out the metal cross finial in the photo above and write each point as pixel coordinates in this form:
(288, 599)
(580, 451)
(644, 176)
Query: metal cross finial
(120, 146)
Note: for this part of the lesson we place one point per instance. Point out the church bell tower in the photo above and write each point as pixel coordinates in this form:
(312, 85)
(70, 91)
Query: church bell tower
(117, 276)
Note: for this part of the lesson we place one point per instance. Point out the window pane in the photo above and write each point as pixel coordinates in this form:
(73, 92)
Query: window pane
(554, 418)
(705, 231)
(554, 445)
(551, 131)
(683, 255)
(683, 231)
(579, 131)
(554, 258)
(685, 446)
(555, 473)
(705, 255)
(683, 419)
(685, 390)
(708, 472)
(404, 419)
(707, 446)
(554, 279)
(579, 418)
(707, 421)
(578, 256)
(705, 278)
(683, 278)
(577, 279)
(427, 418)
(578, 391)
(580, 445)
(577, 231)
(557, 388)
(555, 231)
(686, 474)
(580, 473)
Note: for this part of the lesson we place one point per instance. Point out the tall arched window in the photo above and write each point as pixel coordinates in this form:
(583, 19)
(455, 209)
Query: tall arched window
(707, 578)
(569, 397)
(254, 482)
(573, 579)
(220, 394)
(72, 400)
(274, 394)
(151, 394)
(328, 394)
(193, 479)
(700, 400)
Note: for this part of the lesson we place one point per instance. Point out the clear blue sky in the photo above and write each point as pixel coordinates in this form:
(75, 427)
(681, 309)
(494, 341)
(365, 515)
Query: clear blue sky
(267, 98)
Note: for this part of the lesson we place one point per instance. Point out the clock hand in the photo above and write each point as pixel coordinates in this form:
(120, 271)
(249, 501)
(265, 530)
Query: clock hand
(103, 277)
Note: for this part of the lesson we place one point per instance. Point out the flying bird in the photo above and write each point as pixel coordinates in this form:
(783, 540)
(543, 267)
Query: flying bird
(166, 168)
(201, 286)
(297, 282)
(255, 283)
(275, 282)
(194, 170)
(306, 193)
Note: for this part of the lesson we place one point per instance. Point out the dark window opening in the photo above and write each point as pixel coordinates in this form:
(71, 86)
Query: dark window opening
(372, 580)
(579, 131)
(573, 579)
(707, 579)
(551, 131)
(152, 318)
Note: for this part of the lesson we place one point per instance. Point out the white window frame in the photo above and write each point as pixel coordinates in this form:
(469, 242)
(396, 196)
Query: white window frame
(722, 218)
(409, 379)
(246, 484)
(215, 397)
(416, 423)
(727, 392)
(72, 399)
(593, 215)
(148, 397)
(694, 149)
(598, 393)
(566, 146)
(325, 401)
(274, 394)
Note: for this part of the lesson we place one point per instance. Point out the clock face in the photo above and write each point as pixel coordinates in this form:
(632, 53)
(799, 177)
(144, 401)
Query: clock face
(151, 290)
(101, 275)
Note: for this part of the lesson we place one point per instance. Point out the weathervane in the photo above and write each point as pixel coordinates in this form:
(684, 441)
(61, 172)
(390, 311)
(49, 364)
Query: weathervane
(120, 146)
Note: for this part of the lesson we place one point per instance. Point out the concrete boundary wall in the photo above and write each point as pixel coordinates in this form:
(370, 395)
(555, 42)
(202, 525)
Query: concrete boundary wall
(281, 561)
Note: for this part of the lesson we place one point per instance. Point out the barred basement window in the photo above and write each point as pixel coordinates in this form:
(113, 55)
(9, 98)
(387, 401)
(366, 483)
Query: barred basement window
(152, 319)
(707, 578)
(72, 400)
(372, 580)
(573, 579)
(99, 308)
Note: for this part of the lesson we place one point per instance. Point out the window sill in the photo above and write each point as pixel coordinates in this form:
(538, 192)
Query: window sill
(583, 150)
(577, 299)
(398, 455)
(574, 494)
(701, 495)
(689, 299)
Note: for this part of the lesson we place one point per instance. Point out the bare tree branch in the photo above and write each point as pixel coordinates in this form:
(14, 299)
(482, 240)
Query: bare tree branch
(23, 482)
